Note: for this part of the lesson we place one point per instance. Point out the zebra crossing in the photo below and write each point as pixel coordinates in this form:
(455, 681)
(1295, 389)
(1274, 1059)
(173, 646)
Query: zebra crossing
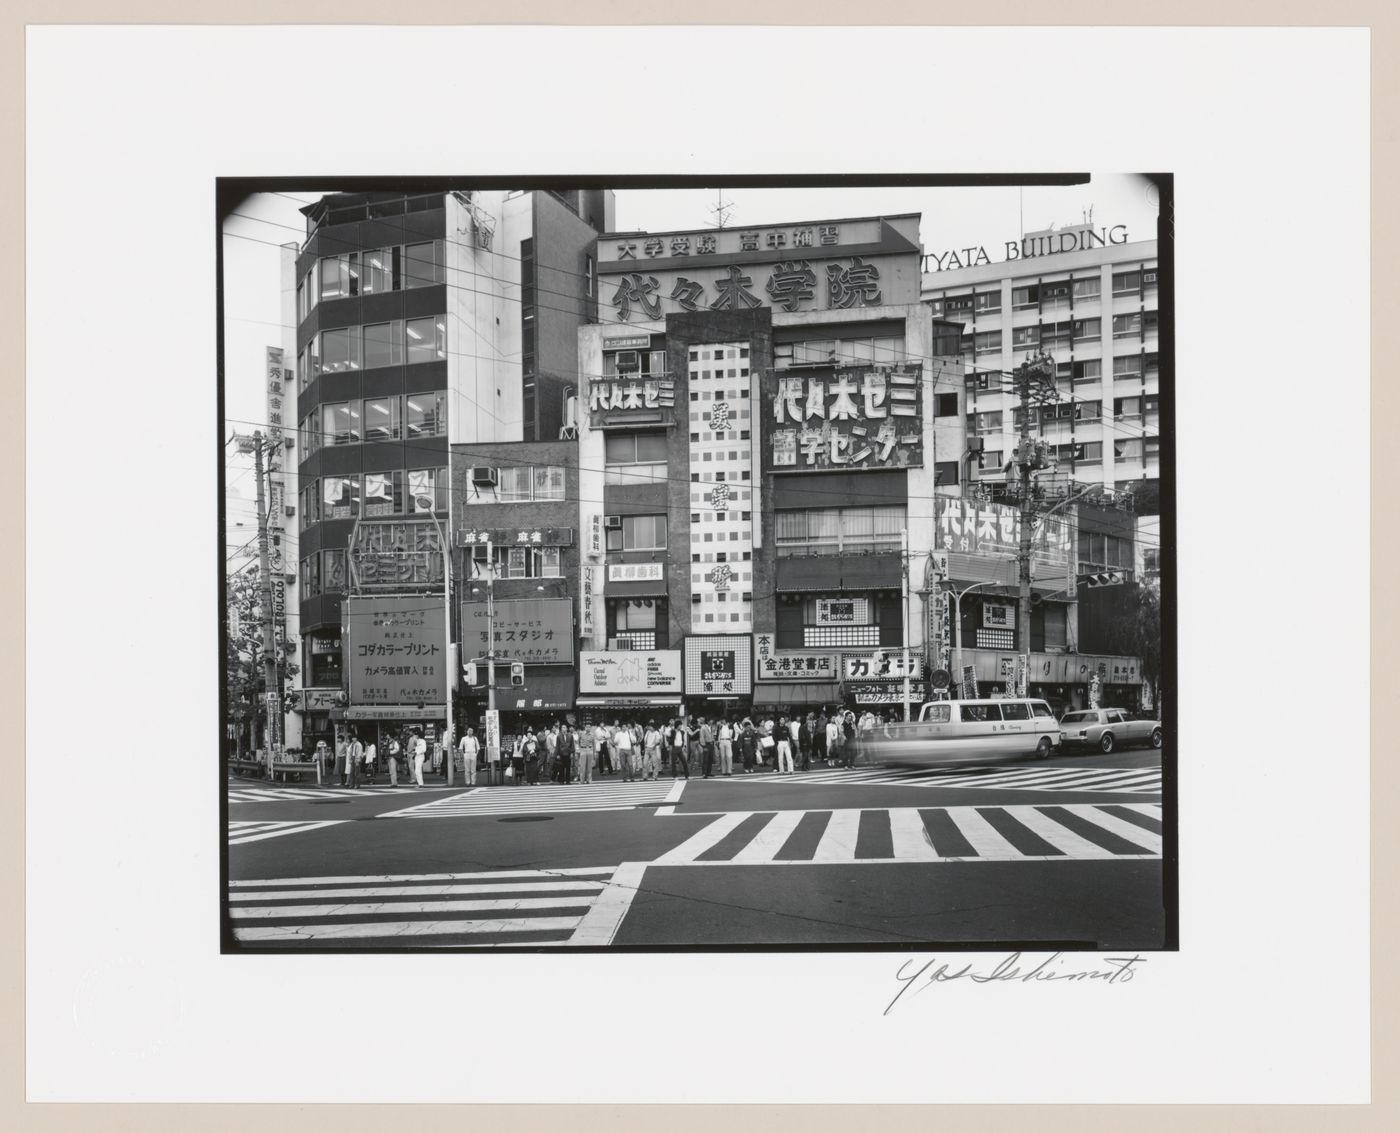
(242, 832)
(543, 798)
(1067, 832)
(302, 794)
(1129, 780)
(493, 909)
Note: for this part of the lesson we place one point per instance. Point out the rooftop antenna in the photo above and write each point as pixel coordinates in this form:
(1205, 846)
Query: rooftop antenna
(722, 209)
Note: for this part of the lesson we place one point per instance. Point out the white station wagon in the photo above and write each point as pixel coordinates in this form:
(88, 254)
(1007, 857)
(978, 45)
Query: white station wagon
(1107, 728)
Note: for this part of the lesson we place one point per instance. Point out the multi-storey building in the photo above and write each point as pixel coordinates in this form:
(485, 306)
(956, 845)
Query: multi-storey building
(756, 439)
(423, 320)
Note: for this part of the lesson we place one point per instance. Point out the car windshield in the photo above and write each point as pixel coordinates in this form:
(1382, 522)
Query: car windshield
(1078, 717)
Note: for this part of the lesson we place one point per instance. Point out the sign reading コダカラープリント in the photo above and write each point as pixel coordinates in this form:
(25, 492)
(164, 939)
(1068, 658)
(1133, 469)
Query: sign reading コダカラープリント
(851, 417)
(395, 649)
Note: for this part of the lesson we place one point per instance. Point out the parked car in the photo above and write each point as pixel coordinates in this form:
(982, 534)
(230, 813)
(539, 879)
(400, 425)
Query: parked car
(1107, 728)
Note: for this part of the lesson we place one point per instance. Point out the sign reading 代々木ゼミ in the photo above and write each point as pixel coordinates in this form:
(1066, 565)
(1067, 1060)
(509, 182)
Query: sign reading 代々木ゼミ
(395, 649)
(396, 554)
(630, 672)
(852, 417)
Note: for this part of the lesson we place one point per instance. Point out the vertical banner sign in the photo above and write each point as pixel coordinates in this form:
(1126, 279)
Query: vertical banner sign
(969, 682)
(493, 733)
(586, 611)
(1023, 665)
(275, 407)
(1095, 690)
(945, 636)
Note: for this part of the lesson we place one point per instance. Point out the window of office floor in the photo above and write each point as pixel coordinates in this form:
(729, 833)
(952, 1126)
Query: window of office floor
(334, 579)
(834, 530)
(528, 562)
(340, 276)
(1089, 370)
(340, 423)
(310, 438)
(638, 533)
(340, 496)
(988, 343)
(945, 405)
(383, 270)
(549, 481)
(384, 492)
(425, 414)
(1127, 325)
(427, 339)
(310, 509)
(382, 419)
(1087, 288)
(423, 264)
(310, 576)
(383, 344)
(340, 350)
(987, 301)
(1087, 329)
(427, 490)
(310, 361)
(633, 458)
(1129, 449)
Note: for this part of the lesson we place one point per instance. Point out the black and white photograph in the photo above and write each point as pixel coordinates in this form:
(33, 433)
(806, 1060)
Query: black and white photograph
(693, 566)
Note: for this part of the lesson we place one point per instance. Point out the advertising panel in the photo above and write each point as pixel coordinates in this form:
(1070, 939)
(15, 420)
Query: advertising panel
(889, 694)
(771, 665)
(719, 665)
(636, 572)
(995, 529)
(843, 611)
(396, 554)
(537, 631)
(848, 418)
(881, 665)
(630, 673)
(998, 615)
(395, 649)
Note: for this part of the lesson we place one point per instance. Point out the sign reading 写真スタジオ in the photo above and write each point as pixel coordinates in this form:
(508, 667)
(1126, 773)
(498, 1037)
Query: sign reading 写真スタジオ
(535, 631)
(395, 649)
(850, 417)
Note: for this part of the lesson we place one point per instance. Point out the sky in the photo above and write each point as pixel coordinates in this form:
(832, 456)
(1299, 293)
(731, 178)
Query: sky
(952, 218)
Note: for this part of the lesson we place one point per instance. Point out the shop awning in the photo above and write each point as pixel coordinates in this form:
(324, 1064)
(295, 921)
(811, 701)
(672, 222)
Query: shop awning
(799, 692)
(541, 692)
(629, 701)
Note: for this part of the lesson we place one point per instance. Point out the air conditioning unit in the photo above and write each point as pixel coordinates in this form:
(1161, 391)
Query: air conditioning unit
(291, 510)
(612, 522)
(484, 477)
(628, 361)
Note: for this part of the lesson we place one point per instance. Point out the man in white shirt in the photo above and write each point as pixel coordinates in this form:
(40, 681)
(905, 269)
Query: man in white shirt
(353, 758)
(726, 749)
(393, 762)
(833, 739)
(371, 754)
(420, 753)
(622, 742)
(470, 747)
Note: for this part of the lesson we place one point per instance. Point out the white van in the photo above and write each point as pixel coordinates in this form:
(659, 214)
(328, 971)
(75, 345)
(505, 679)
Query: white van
(967, 731)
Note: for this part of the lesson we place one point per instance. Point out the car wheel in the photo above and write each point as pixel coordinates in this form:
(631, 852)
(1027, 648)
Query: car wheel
(1156, 737)
(1044, 749)
(1106, 743)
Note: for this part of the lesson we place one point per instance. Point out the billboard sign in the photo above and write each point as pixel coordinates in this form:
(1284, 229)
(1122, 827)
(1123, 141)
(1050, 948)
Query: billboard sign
(630, 672)
(719, 665)
(971, 527)
(395, 649)
(396, 554)
(846, 419)
(771, 665)
(537, 631)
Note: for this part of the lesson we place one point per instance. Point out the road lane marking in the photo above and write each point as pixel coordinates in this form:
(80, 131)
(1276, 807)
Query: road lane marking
(540, 799)
(366, 909)
(1128, 831)
(909, 837)
(382, 878)
(1059, 836)
(706, 837)
(406, 929)
(247, 896)
(600, 924)
(1125, 780)
(240, 833)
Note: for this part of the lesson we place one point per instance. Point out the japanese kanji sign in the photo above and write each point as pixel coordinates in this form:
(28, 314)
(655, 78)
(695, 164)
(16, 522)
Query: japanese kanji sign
(852, 417)
(718, 666)
(970, 527)
(395, 554)
(771, 665)
(537, 631)
(608, 397)
(468, 536)
(395, 649)
(636, 572)
(881, 665)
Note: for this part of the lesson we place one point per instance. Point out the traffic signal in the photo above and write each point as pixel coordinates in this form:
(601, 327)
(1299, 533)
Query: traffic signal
(517, 673)
(469, 671)
(1105, 578)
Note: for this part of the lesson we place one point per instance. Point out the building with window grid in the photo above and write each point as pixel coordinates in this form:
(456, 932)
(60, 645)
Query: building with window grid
(422, 320)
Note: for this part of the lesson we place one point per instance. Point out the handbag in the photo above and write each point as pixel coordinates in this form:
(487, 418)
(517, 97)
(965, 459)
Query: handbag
(510, 771)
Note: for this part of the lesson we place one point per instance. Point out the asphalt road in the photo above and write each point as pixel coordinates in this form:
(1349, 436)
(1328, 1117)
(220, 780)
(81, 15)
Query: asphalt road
(1065, 852)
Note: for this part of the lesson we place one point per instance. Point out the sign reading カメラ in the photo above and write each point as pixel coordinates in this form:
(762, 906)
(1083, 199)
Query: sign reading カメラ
(395, 650)
(852, 417)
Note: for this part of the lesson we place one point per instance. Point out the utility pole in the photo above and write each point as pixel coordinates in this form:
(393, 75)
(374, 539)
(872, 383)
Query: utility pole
(272, 695)
(904, 595)
(1035, 378)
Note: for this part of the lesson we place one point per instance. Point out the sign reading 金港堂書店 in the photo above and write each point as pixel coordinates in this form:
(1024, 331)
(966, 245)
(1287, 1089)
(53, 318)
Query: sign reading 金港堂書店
(789, 665)
(395, 649)
(850, 417)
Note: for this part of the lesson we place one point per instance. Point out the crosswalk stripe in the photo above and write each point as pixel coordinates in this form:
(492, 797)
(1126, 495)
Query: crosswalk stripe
(551, 799)
(403, 929)
(838, 842)
(706, 837)
(241, 832)
(385, 878)
(771, 838)
(909, 836)
(364, 909)
(1066, 832)
(251, 895)
(1121, 780)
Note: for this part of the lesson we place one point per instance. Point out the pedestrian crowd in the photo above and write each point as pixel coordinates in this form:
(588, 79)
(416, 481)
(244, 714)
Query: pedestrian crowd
(565, 753)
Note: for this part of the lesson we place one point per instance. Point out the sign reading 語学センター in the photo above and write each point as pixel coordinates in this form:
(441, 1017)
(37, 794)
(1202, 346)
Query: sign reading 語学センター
(630, 672)
(395, 649)
(848, 417)
(535, 631)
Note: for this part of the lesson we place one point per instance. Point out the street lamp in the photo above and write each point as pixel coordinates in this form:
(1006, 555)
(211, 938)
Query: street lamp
(493, 733)
(957, 596)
